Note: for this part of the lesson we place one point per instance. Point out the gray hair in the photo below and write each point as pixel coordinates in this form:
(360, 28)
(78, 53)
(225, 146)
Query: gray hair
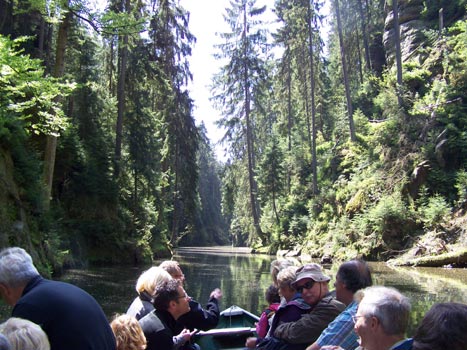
(16, 267)
(4, 343)
(388, 305)
(277, 266)
(24, 334)
(286, 277)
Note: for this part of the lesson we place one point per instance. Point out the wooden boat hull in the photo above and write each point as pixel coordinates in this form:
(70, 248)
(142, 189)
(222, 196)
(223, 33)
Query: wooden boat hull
(235, 325)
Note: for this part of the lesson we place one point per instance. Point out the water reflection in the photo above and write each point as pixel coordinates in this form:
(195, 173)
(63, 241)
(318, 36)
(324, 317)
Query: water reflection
(243, 279)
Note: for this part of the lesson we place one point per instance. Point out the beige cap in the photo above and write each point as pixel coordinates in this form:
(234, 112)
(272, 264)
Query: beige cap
(312, 271)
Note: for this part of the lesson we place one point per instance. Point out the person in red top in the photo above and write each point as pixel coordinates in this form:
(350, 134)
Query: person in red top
(265, 320)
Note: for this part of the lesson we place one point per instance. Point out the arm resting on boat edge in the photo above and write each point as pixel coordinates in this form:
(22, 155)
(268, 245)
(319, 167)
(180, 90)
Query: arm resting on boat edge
(226, 331)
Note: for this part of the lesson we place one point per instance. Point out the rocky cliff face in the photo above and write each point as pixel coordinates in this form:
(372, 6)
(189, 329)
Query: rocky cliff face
(411, 26)
(13, 220)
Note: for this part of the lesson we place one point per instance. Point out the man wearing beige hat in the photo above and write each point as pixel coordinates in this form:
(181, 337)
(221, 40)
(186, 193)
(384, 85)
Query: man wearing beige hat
(312, 283)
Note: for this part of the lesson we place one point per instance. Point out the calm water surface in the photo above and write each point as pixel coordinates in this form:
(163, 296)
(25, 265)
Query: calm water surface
(243, 279)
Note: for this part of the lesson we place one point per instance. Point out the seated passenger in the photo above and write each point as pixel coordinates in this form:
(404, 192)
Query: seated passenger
(146, 286)
(128, 333)
(24, 335)
(351, 276)
(265, 320)
(314, 289)
(198, 317)
(443, 327)
(382, 318)
(290, 310)
(159, 326)
(277, 266)
(71, 318)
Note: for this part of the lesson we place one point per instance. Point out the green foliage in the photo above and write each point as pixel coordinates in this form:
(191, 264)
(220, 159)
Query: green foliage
(452, 10)
(168, 188)
(461, 186)
(433, 211)
(415, 77)
(28, 96)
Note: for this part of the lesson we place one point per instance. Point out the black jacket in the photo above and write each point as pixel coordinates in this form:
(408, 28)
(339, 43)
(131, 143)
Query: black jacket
(158, 327)
(140, 307)
(72, 319)
(200, 318)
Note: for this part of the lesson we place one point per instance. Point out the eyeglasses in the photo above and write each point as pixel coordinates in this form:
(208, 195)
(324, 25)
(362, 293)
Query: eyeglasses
(185, 296)
(356, 317)
(307, 285)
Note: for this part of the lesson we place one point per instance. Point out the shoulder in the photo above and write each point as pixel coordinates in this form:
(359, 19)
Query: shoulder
(405, 344)
(330, 302)
(151, 323)
(139, 308)
(300, 303)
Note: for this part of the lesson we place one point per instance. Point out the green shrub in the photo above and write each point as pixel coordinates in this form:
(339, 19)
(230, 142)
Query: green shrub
(433, 212)
(461, 186)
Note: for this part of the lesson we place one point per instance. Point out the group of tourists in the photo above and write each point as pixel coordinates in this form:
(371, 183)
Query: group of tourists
(303, 313)
(356, 315)
(53, 315)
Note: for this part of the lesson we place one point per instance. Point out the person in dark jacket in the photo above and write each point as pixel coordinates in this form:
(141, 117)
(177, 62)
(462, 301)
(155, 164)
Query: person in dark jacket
(71, 318)
(313, 286)
(160, 325)
(198, 317)
(291, 309)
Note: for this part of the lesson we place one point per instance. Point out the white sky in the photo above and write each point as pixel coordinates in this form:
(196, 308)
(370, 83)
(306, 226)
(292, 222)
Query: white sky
(206, 18)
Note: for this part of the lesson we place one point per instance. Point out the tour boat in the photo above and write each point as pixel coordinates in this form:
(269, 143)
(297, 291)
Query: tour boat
(235, 326)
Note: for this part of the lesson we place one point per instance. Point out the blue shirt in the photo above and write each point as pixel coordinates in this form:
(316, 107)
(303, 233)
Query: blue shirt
(405, 344)
(341, 331)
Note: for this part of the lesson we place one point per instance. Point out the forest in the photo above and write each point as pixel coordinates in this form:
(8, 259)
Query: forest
(349, 145)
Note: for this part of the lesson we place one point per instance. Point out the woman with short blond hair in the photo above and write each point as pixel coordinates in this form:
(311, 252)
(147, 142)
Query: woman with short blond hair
(146, 286)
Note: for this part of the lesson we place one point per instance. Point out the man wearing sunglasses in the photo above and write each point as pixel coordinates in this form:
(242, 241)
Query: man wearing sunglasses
(314, 287)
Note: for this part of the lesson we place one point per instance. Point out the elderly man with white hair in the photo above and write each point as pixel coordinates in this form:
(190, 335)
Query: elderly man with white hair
(71, 318)
(381, 320)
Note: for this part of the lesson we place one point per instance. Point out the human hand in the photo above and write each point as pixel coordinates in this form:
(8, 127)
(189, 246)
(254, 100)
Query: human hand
(216, 293)
(250, 342)
(186, 334)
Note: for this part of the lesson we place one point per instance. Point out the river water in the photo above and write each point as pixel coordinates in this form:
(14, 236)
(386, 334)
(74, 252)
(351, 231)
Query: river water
(244, 277)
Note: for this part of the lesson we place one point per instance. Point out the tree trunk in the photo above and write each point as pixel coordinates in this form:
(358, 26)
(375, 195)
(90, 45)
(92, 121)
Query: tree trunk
(123, 59)
(289, 119)
(250, 146)
(313, 107)
(51, 142)
(344, 72)
(176, 213)
(397, 40)
(366, 45)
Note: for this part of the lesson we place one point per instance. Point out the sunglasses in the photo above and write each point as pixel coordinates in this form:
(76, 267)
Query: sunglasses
(307, 285)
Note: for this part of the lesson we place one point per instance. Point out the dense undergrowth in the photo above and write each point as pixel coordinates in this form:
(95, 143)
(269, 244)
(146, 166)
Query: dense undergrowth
(403, 182)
